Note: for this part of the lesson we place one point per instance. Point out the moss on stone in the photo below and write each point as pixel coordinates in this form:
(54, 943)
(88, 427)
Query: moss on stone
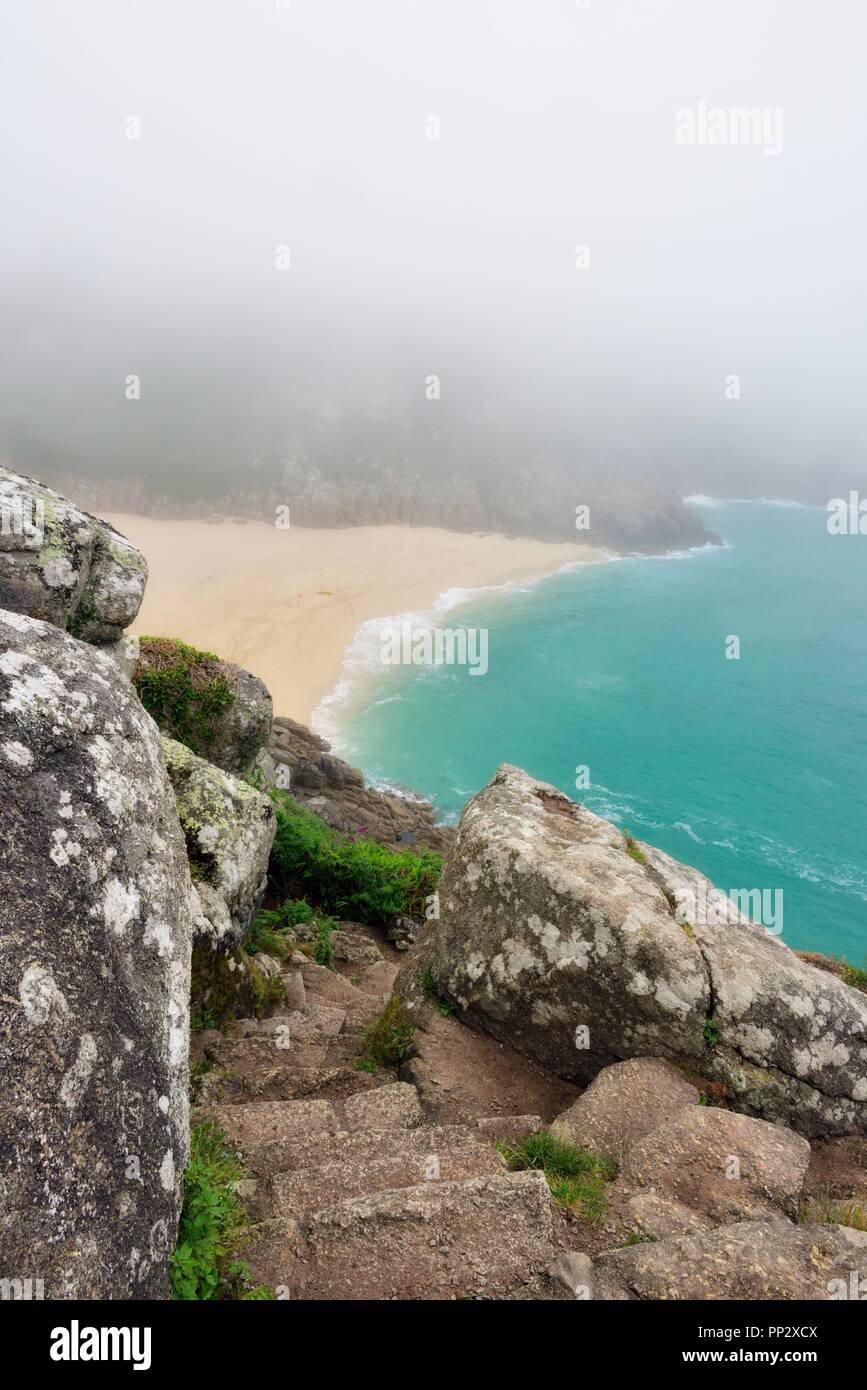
(227, 983)
(184, 690)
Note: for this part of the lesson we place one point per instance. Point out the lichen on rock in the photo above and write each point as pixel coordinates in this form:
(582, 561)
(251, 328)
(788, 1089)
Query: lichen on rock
(64, 566)
(229, 828)
(94, 975)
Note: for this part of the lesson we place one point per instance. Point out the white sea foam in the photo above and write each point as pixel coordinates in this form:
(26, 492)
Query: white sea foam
(700, 499)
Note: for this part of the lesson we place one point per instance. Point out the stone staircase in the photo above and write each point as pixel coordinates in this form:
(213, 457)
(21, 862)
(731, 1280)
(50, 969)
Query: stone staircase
(356, 1193)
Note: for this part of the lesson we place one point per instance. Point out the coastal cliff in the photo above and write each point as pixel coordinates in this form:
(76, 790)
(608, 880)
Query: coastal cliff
(499, 1061)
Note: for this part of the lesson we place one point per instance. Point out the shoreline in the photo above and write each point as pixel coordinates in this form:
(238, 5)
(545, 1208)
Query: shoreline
(289, 605)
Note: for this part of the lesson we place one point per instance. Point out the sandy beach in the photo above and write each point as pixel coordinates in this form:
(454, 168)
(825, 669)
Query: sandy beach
(286, 604)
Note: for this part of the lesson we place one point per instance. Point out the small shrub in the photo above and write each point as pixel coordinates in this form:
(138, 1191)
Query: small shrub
(576, 1178)
(262, 939)
(639, 1238)
(323, 951)
(213, 1223)
(201, 1019)
(711, 1033)
(387, 1042)
(359, 878)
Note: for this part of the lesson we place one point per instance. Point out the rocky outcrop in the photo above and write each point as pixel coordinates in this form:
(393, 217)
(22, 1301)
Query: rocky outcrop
(94, 969)
(749, 1260)
(301, 762)
(229, 828)
(64, 566)
(217, 709)
(562, 938)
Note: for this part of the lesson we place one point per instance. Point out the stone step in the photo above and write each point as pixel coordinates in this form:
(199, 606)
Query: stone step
(266, 1122)
(307, 1190)
(509, 1128)
(482, 1237)
(366, 1146)
(314, 1023)
(385, 1108)
(377, 980)
(327, 986)
(345, 1050)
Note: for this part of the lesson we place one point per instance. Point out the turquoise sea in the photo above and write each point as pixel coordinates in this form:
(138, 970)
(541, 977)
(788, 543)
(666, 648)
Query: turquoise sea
(753, 769)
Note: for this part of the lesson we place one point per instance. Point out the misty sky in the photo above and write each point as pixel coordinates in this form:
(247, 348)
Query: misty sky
(306, 126)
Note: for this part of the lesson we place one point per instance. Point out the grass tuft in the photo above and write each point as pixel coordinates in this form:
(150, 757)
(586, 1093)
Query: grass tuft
(185, 691)
(388, 1040)
(829, 1212)
(632, 848)
(575, 1177)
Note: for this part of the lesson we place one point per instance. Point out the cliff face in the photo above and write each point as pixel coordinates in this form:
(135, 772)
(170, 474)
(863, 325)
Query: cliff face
(536, 499)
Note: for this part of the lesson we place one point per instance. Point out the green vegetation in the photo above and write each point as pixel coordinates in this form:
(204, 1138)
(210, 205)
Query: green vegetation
(184, 690)
(323, 951)
(388, 1040)
(711, 1033)
(632, 849)
(365, 1064)
(853, 975)
(262, 939)
(358, 879)
(200, 1019)
(430, 990)
(273, 933)
(829, 1212)
(213, 1223)
(575, 1176)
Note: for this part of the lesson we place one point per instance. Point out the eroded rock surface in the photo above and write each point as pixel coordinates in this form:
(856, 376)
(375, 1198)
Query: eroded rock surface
(64, 566)
(229, 828)
(94, 975)
(556, 939)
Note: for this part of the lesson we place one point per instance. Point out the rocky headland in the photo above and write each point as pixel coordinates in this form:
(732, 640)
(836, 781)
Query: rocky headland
(399, 1060)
